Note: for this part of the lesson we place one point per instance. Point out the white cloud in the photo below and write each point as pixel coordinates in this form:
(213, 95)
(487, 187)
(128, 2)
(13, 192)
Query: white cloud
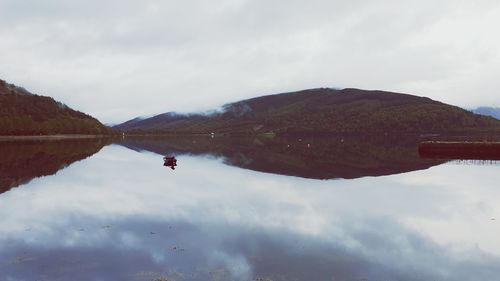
(119, 59)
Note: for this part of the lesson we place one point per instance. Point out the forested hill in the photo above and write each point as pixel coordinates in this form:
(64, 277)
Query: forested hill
(322, 111)
(23, 113)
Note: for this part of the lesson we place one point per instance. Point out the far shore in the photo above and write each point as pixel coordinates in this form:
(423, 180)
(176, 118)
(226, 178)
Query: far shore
(51, 137)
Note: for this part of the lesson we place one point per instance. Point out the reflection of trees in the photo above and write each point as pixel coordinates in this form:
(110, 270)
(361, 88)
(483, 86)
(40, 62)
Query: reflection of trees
(319, 158)
(21, 161)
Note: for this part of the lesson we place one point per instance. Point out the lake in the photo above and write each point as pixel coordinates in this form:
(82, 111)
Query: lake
(344, 208)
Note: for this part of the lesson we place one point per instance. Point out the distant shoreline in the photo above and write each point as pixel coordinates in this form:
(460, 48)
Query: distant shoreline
(477, 150)
(51, 137)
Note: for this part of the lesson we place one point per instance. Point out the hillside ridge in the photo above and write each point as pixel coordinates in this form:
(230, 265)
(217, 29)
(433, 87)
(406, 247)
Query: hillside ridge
(321, 111)
(25, 113)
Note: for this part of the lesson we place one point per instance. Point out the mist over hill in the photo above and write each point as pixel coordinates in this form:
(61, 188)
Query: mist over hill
(321, 111)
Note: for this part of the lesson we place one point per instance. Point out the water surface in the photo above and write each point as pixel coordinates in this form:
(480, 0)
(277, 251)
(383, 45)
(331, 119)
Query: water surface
(121, 215)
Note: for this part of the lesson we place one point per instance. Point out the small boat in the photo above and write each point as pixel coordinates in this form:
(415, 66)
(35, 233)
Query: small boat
(170, 161)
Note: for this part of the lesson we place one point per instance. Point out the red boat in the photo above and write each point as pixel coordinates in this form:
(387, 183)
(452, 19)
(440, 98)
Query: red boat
(170, 161)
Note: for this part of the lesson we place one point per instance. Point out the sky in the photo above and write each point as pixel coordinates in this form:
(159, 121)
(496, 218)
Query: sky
(119, 59)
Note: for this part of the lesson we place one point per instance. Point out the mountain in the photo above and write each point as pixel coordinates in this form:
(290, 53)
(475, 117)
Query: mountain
(24, 113)
(151, 123)
(322, 111)
(488, 111)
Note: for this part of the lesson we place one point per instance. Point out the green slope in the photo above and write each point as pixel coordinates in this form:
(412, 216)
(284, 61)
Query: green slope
(327, 111)
(23, 113)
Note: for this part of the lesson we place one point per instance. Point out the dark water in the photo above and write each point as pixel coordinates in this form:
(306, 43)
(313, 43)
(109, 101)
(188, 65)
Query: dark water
(245, 209)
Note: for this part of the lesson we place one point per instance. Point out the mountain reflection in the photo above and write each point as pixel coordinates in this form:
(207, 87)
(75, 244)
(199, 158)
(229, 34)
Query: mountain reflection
(21, 161)
(107, 219)
(317, 158)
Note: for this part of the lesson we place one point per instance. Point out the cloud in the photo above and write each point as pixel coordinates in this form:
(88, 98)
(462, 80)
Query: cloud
(121, 59)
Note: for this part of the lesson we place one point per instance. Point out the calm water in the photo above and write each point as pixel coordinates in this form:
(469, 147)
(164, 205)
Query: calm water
(337, 209)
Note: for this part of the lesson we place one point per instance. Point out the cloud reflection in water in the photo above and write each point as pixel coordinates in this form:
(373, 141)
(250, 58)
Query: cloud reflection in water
(208, 221)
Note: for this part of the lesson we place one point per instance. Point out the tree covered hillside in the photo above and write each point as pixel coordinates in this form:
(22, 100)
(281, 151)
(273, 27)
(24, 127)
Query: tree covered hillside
(23, 113)
(325, 111)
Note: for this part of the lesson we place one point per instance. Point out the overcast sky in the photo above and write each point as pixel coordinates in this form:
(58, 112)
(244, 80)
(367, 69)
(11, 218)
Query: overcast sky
(120, 59)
